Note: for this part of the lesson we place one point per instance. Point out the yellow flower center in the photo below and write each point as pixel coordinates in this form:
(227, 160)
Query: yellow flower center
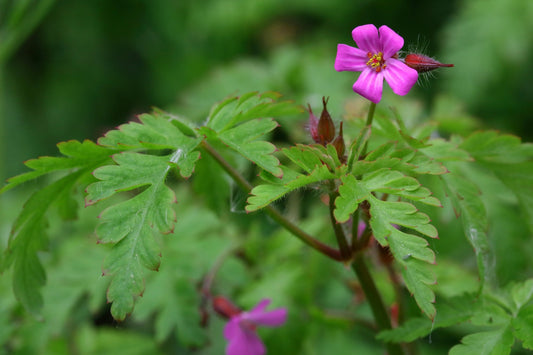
(376, 61)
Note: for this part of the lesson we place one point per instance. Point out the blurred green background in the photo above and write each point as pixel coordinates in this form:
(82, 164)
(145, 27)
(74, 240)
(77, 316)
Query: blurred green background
(74, 69)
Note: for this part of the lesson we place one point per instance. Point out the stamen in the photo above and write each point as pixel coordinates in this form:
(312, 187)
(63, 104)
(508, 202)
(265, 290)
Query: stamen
(376, 61)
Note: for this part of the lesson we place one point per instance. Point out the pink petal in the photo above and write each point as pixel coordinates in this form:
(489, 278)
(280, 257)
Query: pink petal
(245, 343)
(272, 318)
(391, 42)
(260, 306)
(367, 38)
(350, 58)
(399, 76)
(370, 85)
(232, 328)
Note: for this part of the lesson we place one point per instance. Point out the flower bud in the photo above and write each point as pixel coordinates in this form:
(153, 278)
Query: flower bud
(422, 63)
(339, 145)
(326, 128)
(224, 307)
(313, 124)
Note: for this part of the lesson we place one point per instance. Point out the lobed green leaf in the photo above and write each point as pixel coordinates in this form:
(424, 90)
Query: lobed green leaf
(263, 195)
(492, 342)
(76, 155)
(242, 139)
(131, 223)
(236, 110)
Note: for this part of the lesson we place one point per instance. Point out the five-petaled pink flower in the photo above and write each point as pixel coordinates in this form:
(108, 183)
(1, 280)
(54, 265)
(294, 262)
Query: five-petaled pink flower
(376, 59)
(241, 329)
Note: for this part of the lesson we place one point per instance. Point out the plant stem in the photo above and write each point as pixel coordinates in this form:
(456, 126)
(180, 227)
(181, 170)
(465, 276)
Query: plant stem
(271, 211)
(369, 119)
(345, 249)
(374, 299)
(363, 274)
(355, 228)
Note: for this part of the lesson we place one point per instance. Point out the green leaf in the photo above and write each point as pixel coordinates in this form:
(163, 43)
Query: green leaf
(130, 224)
(523, 326)
(28, 238)
(405, 160)
(235, 110)
(467, 203)
(449, 312)
(493, 342)
(263, 195)
(242, 139)
(212, 183)
(351, 193)
(519, 178)
(28, 233)
(493, 147)
(153, 131)
(409, 250)
(306, 157)
(107, 340)
(76, 154)
(173, 290)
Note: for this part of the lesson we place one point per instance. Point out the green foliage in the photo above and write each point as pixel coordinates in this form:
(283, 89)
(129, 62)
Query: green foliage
(130, 179)
(507, 315)
(28, 234)
(142, 166)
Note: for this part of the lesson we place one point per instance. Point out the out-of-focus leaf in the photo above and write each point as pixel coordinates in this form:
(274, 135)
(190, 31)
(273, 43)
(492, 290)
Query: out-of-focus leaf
(493, 342)
(28, 237)
(172, 294)
(250, 106)
(466, 201)
(77, 155)
(449, 312)
(108, 341)
(523, 326)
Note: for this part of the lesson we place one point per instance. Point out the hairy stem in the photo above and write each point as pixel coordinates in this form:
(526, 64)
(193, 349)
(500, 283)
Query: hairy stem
(271, 211)
(355, 229)
(369, 119)
(374, 299)
(337, 227)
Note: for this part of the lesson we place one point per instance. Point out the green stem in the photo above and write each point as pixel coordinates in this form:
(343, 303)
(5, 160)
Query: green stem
(374, 299)
(355, 228)
(271, 211)
(345, 249)
(369, 119)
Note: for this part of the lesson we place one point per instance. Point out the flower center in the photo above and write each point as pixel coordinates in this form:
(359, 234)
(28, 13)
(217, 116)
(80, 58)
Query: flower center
(376, 61)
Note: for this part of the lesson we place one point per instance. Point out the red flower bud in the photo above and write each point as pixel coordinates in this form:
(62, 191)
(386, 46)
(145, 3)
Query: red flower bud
(313, 124)
(339, 145)
(326, 128)
(422, 63)
(224, 307)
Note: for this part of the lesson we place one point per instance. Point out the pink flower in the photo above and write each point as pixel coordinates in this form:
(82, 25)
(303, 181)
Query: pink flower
(241, 329)
(376, 59)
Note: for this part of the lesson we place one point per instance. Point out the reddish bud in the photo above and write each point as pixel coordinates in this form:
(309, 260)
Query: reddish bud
(224, 307)
(326, 128)
(339, 145)
(422, 63)
(313, 124)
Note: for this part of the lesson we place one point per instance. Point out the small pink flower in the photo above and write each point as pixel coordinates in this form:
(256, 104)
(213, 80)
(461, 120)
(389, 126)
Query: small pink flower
(241, 329)
(376, 59)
